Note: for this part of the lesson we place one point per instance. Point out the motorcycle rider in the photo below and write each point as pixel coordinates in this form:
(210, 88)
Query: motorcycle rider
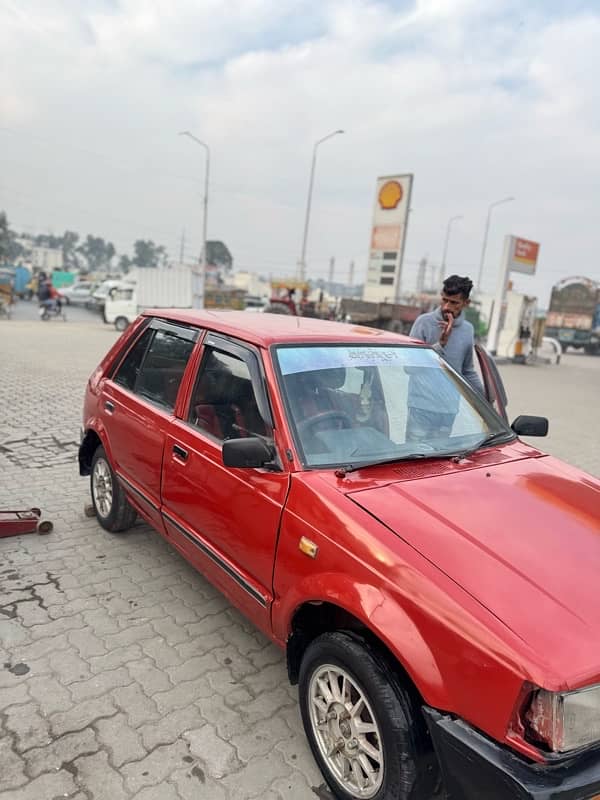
(50, 297)
(43, 293)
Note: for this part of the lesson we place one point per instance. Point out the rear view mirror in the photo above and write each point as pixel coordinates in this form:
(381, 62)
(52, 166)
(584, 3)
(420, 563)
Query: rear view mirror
(246, 453)
(530, 426)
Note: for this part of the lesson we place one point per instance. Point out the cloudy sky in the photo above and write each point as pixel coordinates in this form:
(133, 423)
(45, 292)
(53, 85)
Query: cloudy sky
(480, 99)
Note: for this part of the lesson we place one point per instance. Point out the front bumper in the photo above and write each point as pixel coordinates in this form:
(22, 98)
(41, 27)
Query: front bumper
(477, 768)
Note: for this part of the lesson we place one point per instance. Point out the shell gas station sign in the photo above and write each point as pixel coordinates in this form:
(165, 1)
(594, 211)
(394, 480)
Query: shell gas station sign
(523, 255)
(388, 235)
(520, 255)
(390, 194)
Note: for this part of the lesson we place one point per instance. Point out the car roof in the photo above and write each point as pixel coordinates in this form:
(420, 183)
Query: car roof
(266, 329)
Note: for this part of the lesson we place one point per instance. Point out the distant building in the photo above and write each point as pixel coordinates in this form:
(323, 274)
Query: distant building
(46, 258)
(252, 284)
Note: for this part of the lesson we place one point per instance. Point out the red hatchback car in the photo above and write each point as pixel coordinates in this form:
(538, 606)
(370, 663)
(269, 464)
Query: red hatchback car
(437, 597)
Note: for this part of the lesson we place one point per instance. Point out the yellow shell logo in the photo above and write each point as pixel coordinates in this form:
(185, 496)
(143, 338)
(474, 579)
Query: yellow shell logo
(390, 195)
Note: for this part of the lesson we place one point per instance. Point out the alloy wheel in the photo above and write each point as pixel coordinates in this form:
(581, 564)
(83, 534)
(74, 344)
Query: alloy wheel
(102, 487)
(346, 731)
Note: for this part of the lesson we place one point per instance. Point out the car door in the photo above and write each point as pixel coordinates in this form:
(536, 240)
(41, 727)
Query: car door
(81, 293)
(225, 520)
(136, 407)
(492, 382)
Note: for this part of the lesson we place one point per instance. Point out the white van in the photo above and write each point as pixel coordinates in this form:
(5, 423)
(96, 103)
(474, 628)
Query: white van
(147, 288)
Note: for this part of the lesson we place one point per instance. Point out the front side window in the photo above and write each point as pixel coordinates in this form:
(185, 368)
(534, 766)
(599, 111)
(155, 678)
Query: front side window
(223, 401)
(358, 404)
(154, 366)
(121, 293)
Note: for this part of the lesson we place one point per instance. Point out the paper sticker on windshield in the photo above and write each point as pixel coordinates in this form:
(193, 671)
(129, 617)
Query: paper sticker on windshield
(306, 359)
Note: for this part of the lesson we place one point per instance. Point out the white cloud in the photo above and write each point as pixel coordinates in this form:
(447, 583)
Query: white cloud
(479, 104)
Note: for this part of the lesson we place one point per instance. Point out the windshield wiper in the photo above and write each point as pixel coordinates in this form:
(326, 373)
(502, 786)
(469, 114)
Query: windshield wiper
(492, 437)
(341, 471)
(457, 456)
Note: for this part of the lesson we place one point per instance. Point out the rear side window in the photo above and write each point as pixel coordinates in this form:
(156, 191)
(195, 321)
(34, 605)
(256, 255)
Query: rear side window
(154, 366)
(128, 371)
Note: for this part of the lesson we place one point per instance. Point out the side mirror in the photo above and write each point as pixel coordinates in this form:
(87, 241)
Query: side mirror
(249, 452)
(530, 426)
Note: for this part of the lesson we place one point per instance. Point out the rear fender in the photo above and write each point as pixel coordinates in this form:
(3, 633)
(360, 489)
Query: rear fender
(95, 430)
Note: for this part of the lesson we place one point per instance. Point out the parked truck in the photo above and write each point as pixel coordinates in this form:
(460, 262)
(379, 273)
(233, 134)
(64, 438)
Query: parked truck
(389, 316)
(22, 278)
(147, 288)
(574, 314)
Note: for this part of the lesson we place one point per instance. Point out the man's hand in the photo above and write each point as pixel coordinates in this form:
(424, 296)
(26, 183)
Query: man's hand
(445, 329)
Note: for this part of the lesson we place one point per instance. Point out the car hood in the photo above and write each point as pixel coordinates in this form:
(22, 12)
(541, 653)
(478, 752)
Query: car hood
(522, 537)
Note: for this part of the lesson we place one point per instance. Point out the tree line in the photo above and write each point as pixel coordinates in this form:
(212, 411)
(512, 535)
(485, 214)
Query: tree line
(91, 254)
(94, 254)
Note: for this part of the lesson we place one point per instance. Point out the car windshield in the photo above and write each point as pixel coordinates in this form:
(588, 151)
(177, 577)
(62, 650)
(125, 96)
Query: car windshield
(350, 404)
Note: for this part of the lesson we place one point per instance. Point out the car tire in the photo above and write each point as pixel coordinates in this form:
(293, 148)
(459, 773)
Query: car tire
(396, 756)
(108, 498)
(121, 324)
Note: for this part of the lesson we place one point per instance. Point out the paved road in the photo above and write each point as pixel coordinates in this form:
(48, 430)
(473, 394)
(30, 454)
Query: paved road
(569, 395)
(28, 310)
(123, 673)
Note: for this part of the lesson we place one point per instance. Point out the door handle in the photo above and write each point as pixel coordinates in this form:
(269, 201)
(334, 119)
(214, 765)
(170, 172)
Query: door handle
(180, 452)
(110, 407)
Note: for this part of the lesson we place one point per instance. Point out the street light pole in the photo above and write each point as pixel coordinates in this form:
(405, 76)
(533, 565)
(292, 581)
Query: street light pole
(205, 214)
(448, 227)
(485, 237)
(302, 262)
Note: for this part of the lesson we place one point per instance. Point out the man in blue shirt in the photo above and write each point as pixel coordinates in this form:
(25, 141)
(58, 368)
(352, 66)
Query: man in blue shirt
(452, 337)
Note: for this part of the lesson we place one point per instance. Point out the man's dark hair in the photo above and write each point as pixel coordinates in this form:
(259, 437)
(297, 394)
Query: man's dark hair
(457, 285)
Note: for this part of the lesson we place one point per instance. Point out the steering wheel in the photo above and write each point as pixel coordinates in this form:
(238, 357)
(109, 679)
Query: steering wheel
(309, 425)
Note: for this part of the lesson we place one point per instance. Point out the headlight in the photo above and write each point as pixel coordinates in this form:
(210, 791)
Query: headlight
(564, 721)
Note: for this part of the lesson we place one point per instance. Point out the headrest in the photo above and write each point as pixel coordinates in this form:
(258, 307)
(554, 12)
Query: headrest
(333, 378)
(215, 385)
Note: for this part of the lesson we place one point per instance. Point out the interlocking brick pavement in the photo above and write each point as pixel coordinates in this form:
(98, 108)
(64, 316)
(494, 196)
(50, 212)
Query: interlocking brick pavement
(123, 672)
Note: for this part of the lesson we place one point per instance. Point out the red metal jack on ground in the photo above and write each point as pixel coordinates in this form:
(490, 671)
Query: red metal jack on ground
(14, 523)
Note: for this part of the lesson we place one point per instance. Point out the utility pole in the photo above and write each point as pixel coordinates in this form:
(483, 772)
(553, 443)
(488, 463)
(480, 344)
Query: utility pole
(443, 264)
(331, 268)
(433, 286)
(198, 275)
(421, 275)
(351, 274)
(485, 237)
(182, 247)
(301, 267)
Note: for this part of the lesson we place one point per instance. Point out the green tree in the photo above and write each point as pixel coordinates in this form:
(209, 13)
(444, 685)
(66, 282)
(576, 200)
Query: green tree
(5, 237)
(10, 249)
(125, 264)
(148, 254)
(218, 255)
(97, 253)
(473, 315)
(48, 240)
(71, 260)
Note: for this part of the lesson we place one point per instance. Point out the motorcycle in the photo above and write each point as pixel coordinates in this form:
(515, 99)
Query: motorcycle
(50, 309)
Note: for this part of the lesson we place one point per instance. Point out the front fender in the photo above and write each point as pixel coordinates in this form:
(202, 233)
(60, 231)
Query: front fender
(380, 613)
